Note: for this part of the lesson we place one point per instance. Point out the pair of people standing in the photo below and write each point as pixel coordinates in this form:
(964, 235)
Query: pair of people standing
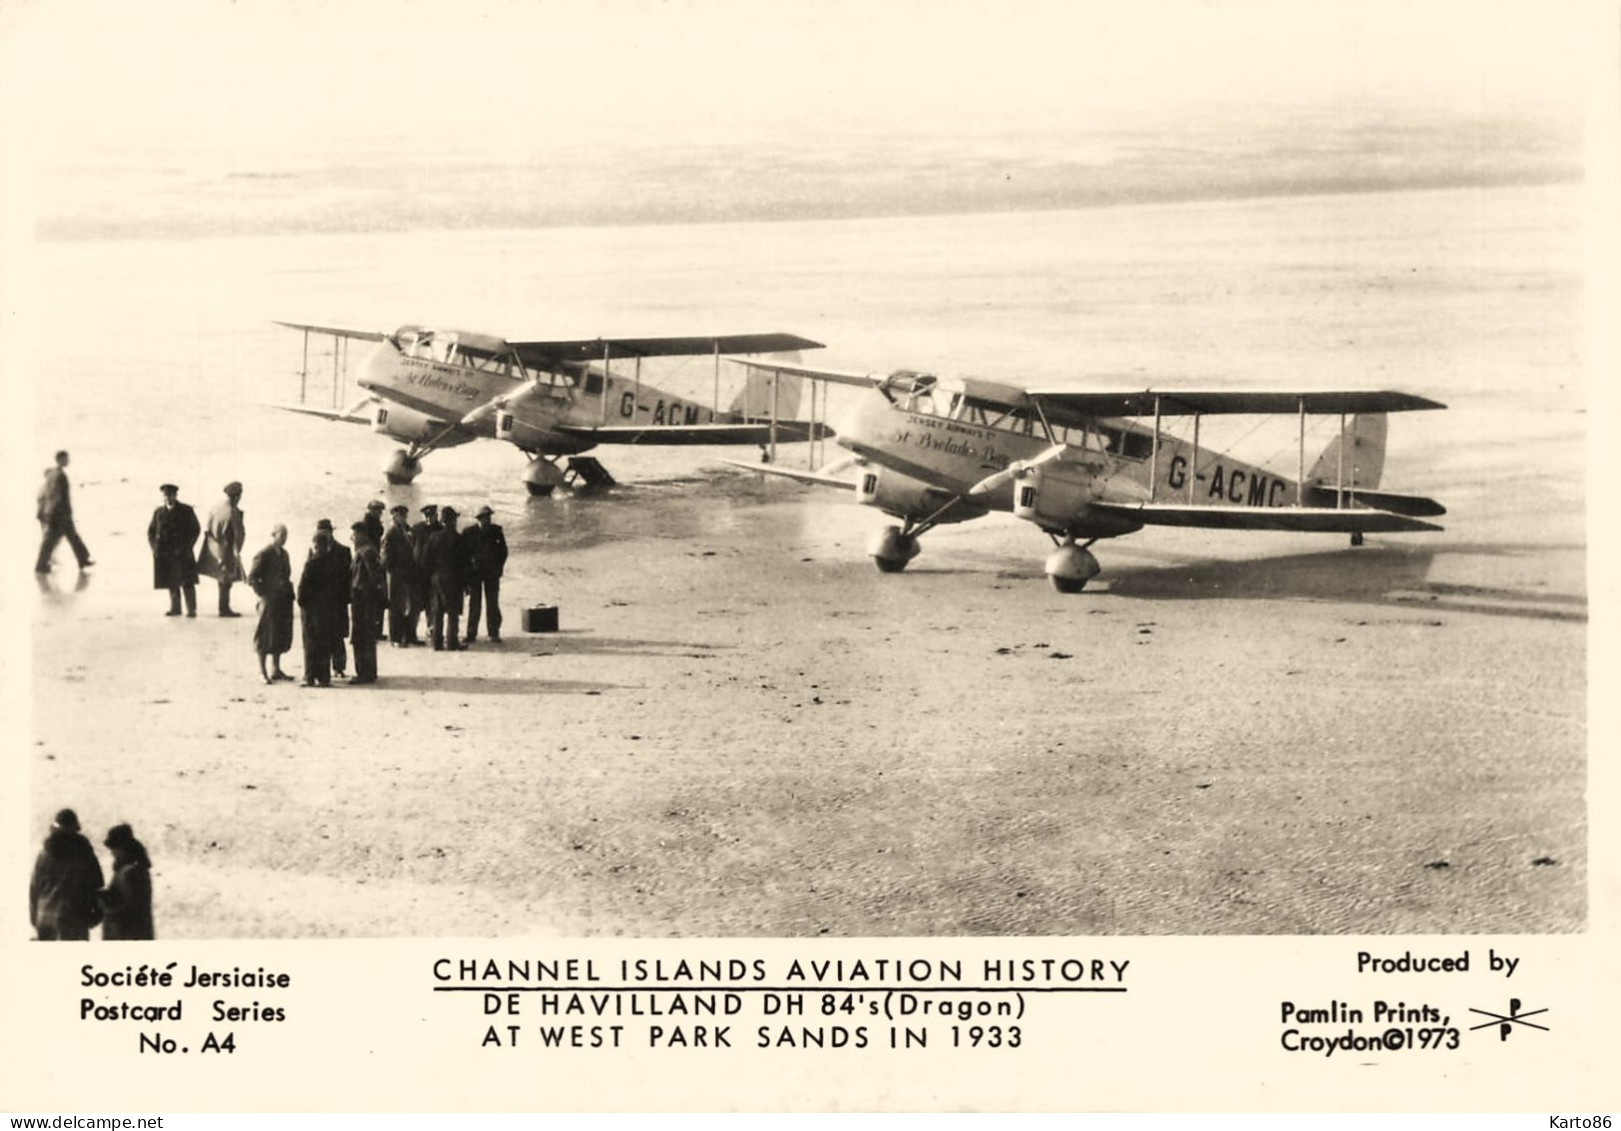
(172, 535)
(341, 594)
(66, 894)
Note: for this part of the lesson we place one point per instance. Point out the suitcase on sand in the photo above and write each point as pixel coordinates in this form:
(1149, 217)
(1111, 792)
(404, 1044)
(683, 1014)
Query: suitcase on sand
(540, 618)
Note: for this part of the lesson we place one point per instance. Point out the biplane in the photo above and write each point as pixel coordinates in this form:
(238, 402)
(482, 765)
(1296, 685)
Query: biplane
(554, 400)
(1085, 466)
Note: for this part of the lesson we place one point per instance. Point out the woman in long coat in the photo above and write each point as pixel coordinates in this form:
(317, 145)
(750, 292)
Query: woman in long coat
(128, 898)
(272, 579)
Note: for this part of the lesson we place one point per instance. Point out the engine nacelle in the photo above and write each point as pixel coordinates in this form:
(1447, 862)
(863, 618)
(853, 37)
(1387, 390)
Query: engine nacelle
(405, 424)
(902, 496)
(1057, 497)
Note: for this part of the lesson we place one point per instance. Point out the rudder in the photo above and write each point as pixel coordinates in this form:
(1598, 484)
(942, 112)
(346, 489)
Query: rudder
(1364, 464)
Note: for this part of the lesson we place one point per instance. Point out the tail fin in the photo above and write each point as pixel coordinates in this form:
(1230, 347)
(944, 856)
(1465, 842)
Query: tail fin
(1364, 463)
(766, 394)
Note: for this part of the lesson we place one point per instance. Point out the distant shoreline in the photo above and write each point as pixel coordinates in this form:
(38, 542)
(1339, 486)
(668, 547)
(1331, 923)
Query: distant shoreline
(453, 214)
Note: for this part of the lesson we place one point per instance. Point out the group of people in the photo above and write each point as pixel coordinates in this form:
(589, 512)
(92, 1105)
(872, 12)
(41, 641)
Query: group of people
(68, 895)
(399, 573)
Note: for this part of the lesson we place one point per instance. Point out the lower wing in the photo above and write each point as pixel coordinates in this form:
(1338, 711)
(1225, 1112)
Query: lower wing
(818, 478)
(785, 432)
(1331, 520)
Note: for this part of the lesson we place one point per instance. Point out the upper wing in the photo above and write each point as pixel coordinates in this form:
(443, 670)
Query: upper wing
(1329, 520)
(837, 376)
(581, 350)
(786, 432)
(1179, 402)
(335, 331)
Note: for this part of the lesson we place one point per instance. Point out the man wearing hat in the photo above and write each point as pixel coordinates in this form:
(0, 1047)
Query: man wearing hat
(368, 593)
(323, 598)
(172, 534)
(63, 893)
(486, 551)
(343, 562)
(420, 533)
(374, 522)
(128, 898)
(446, 568)
(223, 539)
(400, 568)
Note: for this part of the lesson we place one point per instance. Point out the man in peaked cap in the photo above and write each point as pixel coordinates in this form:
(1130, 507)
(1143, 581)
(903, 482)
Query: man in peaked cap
(400, 568)
(374, 522)
(486, 551)
(63, 901)
(368, 592)
(420, 533)
(172, 534)
(344, 563)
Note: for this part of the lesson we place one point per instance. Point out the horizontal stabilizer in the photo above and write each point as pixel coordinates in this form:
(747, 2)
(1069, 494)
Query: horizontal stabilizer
(787, 432)
(1328, 520)
(816, 478)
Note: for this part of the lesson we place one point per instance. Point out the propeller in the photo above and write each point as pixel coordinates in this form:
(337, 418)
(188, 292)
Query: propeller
(1013, 470)
(495, 404)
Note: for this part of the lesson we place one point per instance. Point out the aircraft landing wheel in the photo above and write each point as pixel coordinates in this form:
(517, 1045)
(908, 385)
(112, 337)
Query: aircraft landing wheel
(542, 477)
(891, 549)
(1069, 568)
(401, 469)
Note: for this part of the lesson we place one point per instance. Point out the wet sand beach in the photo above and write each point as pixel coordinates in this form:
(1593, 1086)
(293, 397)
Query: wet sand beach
(744, 729)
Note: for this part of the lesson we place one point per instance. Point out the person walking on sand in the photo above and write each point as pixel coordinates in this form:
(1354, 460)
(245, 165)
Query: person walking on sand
(56, 518)
(368, 593)
(223, 540)
(271, 578)
(63, 895)
(323, 589)
(486, 553)
(400, 568)
(172, 534)
(127, 902)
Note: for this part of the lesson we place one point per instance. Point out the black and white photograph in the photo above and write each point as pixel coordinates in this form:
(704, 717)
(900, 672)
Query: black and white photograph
(807, 471)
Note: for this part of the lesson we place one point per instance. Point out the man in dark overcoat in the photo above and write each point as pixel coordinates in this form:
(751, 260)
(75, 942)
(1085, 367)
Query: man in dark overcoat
(446, 567)
(323, 595)
(172, 534)
(63, 895)
(399, 564)
(420, 533)
(368, 593)
(345, 560)
(486, 549)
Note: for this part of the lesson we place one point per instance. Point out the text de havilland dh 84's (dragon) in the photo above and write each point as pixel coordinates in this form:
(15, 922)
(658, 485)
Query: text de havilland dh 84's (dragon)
(438, 388)
(1089, 465)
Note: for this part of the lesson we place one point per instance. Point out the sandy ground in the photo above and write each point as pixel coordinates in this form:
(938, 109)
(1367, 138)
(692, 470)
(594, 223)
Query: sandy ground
(743, 729)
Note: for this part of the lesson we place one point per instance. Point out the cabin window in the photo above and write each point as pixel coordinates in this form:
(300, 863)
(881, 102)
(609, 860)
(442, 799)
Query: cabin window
(593, 383)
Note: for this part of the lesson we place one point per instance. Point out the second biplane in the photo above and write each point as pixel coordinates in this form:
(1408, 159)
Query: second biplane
(436, 388)
(1084, 466)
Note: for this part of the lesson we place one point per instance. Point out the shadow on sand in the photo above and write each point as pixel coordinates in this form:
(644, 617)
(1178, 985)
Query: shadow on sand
(480, 685)
(580, 642)
(1370, 575)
